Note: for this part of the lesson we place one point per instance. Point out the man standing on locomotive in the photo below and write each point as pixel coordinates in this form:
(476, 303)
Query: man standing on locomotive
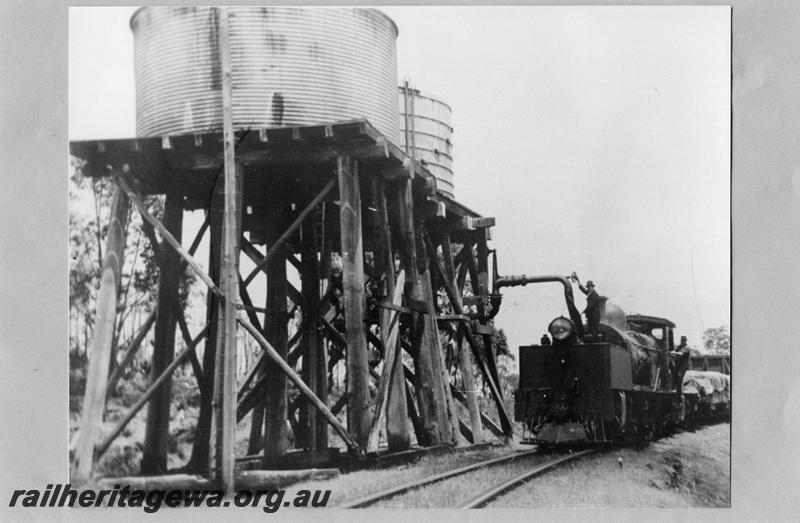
(594, 305)
(680, 362)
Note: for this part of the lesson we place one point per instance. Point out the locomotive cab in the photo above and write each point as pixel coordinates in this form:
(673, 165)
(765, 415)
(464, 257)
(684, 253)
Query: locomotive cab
(659, 329)
(659, 342)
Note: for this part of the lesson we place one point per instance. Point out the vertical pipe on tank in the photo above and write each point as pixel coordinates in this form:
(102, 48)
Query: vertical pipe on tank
(408, 110)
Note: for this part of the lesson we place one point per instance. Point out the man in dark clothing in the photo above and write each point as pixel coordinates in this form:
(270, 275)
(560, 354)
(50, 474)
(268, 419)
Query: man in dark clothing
(680, 360)
(594, 305)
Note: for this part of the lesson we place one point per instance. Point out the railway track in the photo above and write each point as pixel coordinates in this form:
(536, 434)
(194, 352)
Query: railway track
(498, 490)
(487, 495)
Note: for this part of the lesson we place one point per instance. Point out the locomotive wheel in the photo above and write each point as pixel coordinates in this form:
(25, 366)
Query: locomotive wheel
(642, 436)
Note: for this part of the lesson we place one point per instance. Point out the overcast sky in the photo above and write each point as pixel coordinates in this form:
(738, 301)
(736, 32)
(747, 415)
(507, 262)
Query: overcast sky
(598, 137)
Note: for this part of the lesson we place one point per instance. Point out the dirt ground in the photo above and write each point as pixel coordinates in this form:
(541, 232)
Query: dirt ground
(356, 485)
(690, 469)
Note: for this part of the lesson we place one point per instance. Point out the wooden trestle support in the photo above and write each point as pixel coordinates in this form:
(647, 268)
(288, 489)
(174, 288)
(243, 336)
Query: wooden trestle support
(409, 310)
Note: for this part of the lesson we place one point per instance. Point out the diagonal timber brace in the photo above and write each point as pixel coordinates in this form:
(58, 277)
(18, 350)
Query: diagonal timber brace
(168, 237)
(131, 349)
(351, 443)
(144, 398)
(291, 230)
(452, 295)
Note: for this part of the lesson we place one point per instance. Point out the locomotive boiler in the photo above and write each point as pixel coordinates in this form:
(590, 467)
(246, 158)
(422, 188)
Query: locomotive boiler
(620, 384)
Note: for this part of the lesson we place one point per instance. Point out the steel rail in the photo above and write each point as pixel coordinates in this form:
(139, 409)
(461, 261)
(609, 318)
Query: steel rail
(489, 495)
(394, 491)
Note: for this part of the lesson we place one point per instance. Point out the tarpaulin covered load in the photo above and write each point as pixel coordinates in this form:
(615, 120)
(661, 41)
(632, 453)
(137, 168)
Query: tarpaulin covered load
(710, 386)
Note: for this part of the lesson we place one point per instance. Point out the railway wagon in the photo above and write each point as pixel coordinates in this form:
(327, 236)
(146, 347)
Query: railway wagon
(707, 394)
(717, 362)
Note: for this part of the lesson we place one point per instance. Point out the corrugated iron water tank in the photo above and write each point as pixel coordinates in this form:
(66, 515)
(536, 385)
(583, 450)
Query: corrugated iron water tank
(430, 132)
(290, 66)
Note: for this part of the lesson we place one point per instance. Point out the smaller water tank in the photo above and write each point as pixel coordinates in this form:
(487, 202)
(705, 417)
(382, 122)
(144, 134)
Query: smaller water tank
(425, 127)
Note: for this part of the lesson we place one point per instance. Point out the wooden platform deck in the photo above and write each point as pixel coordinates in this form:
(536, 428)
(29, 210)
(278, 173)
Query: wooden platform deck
(277, 158)
(292, 163)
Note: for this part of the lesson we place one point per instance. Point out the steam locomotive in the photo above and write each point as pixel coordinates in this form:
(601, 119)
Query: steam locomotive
(621, 384)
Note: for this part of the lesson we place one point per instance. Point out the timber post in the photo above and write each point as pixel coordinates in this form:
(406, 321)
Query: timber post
(428, 386)
(256, 442)
(225, 375)
(483, 289)
(354, 300)
(314, 428)
(446, 408)
(224, 399)
(276, 396)
(154, 455)
(200, 460)
(465, 360)
(397, 435)
(94, 399)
